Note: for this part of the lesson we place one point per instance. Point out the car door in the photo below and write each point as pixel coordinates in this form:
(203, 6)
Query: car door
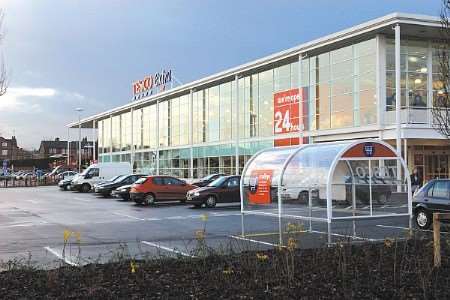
(438, 196)
(233, 190)
(176, 188)
(159, 188)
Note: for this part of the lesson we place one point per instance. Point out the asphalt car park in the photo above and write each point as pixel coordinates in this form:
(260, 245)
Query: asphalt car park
(33, 223)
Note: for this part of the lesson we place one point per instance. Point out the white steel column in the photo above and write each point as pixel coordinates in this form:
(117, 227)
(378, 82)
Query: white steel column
(301, 127)
(79, 142)
(429, 85)
(398, 98)
(110, 138)
(405, 150)
(191, 133)
(157, 137)
(132, 138)
(68, 146)
(93, 141)
(236, 79)
(381, 79)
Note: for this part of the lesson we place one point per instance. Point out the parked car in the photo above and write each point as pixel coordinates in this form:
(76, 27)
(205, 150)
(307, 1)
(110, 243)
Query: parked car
(97, 173)
(224, 189)
(66, 175)
(207, 179)
(151, 189)
(381, 190)
(122, 192)
(106, 181)
(432, 197)
(106, 188)
(66, 183)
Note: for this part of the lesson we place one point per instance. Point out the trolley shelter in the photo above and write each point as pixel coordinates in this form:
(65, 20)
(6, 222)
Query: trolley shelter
(327, 182)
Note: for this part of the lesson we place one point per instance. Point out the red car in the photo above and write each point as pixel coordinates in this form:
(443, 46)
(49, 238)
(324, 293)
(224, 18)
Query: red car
(151, 189)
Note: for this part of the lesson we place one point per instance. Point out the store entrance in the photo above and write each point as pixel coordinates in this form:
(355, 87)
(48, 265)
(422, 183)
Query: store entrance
(436, 166)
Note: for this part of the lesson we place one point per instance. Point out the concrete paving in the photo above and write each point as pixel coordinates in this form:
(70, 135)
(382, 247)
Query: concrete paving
(33, 221)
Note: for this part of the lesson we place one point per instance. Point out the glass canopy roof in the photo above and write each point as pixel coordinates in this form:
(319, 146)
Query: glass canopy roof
(327, 181)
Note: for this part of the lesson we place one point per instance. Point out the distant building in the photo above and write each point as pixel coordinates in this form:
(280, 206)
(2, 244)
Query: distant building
(58, 149)
(8, 148)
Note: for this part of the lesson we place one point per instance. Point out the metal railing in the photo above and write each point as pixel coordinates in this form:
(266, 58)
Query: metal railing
(29, 181)
(411, 115)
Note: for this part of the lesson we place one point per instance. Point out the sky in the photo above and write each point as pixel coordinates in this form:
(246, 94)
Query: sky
(64, 54)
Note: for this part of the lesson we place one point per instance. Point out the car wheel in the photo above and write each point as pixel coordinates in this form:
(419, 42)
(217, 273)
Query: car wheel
(211, 202)
(125, 198)
(303, 197)
(85, 188)
(383, 198)
(423, 219)
(149, 199)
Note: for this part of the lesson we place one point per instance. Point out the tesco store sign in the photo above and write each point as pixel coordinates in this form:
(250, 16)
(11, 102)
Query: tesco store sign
(152, 83)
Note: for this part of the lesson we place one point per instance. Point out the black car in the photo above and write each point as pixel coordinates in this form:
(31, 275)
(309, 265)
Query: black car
(122, 192)
(381, 190)
(107, 188)
(225, 189)
(207, 179)
(432, 197)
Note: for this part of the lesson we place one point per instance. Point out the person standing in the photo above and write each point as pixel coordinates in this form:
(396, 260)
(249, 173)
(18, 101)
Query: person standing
(416, 180)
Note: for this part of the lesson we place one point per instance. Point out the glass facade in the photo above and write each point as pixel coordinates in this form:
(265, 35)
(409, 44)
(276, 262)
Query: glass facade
(342, 87)
(336, 90)
(414, 74)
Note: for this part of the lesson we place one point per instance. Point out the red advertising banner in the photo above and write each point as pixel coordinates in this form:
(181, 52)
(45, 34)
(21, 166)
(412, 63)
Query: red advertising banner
(286, 111)
(288, 115)
(260, 182)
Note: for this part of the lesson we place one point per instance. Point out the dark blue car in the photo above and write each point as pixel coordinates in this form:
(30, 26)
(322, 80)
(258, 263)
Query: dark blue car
(432, 197)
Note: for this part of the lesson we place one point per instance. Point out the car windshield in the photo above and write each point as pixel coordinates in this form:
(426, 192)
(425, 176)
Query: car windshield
(209, 177)
(218, 182)
(112, 179)
(119, 178)
(141, 180)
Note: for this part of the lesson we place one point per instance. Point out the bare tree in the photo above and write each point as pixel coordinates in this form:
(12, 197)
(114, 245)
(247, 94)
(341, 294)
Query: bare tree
(441, 100)
(3, 75)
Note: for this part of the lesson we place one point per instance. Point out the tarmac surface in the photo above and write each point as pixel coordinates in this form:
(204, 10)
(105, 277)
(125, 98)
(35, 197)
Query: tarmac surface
(33, 222)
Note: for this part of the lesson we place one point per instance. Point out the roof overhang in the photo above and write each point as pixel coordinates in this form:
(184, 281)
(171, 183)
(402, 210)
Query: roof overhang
(412, 25)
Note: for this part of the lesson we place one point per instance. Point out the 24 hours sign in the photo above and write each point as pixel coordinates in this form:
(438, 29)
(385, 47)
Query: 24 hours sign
(286, 111)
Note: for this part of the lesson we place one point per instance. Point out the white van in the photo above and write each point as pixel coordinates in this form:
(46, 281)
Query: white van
(97, 173)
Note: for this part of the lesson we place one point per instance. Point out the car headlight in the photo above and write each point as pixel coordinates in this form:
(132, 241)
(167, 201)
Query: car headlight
(196, 194)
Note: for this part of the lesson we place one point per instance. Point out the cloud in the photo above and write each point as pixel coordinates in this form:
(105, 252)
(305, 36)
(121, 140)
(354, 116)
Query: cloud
(24, 98)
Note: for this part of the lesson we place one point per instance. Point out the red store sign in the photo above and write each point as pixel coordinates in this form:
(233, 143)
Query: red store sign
(158, 80)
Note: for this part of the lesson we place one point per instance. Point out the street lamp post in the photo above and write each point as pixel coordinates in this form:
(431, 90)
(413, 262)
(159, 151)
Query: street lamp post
(79, 110)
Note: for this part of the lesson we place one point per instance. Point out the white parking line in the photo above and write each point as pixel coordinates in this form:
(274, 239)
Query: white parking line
(24, 224)
(344, 235)
(407, 228)
(82, 199)
(128, 216)
(253, 241)
(59, 256)
(167, 249)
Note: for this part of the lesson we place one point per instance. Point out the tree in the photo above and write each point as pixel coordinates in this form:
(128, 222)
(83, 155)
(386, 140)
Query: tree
(441, 100)
(3, 75)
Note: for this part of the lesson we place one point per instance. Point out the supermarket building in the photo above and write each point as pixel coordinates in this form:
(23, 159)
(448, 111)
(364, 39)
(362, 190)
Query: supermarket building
(338, 87)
